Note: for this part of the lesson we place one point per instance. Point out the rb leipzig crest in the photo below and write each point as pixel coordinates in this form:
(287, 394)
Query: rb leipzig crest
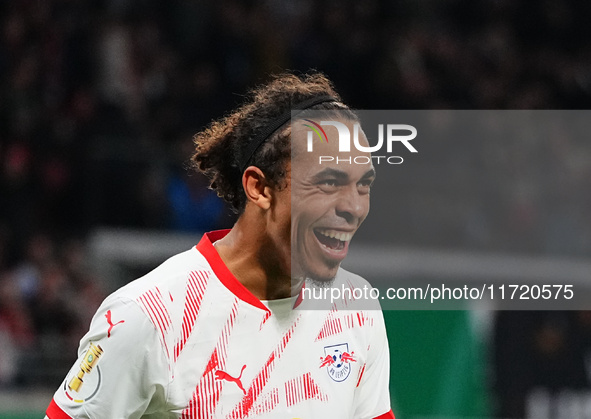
(337, 360)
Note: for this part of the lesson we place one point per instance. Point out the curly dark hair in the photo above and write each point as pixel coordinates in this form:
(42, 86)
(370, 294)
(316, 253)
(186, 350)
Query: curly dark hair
(221, 146)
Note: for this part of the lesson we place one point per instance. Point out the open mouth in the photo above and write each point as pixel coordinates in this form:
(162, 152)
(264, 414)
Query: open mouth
(333, 239)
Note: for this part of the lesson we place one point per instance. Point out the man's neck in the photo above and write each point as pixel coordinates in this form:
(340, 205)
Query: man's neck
(245, 251)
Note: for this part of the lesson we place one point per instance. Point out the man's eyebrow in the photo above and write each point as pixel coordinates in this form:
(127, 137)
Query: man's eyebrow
(339, 174)
(329, 172)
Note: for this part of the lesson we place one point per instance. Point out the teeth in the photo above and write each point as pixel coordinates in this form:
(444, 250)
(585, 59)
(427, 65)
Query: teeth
(334, 234)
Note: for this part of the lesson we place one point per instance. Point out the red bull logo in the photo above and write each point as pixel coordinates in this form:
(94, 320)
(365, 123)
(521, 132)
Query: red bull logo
(328, 360)
(337, 360)
(346, 357)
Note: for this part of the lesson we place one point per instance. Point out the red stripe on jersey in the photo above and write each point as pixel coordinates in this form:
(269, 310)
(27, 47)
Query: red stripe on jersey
(153, 302)
(56, 412)
(331, 326)
(267, 316)
(225, 336)
(220, 269)
(301, 389)
(157, 312)
(207, 393)
(361, 318)
(243, 409)
(358, 319)
(267, 403)
(360, 375)
(196, 285)
(300, 297)
(389, 415)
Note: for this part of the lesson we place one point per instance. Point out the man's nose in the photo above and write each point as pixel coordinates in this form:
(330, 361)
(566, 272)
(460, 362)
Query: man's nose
(352, 205)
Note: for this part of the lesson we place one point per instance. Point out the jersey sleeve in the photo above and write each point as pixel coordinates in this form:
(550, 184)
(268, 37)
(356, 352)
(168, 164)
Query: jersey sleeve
(373, 392)
(121, 371)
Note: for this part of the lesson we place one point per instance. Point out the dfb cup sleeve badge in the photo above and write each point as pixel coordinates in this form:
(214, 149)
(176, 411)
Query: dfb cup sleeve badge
(337, 360)
(83, 381)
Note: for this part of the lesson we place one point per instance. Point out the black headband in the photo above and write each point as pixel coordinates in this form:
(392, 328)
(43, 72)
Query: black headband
(262, 136)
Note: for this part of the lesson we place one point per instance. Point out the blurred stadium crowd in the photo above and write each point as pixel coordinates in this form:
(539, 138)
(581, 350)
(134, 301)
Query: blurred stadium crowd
(99, 99)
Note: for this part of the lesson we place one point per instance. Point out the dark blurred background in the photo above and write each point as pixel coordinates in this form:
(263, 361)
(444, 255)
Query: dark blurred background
(98, 103)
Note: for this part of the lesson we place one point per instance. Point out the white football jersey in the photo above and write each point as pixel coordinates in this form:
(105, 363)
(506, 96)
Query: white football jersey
(188, 340)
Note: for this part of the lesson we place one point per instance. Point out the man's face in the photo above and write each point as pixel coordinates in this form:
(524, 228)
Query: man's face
(329, 201)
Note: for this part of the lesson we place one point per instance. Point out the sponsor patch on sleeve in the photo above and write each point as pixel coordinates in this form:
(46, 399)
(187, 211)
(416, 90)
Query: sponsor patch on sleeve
(84, 380)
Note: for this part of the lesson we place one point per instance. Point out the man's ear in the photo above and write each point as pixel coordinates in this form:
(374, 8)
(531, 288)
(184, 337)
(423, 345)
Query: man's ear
(256, 187)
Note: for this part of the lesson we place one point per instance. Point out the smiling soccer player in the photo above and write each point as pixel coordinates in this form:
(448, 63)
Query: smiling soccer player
(329, 201)
(212, 332)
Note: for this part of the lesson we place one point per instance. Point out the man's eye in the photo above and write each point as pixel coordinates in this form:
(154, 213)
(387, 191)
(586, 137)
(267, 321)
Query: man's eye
(328, 185)
(364, 186)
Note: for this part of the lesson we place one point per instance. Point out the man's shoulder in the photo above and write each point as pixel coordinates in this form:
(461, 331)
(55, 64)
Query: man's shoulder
(169, 276)
(159, 298)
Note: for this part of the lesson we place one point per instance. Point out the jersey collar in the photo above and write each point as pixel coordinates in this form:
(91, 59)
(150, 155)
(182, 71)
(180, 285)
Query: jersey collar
(220, 269)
